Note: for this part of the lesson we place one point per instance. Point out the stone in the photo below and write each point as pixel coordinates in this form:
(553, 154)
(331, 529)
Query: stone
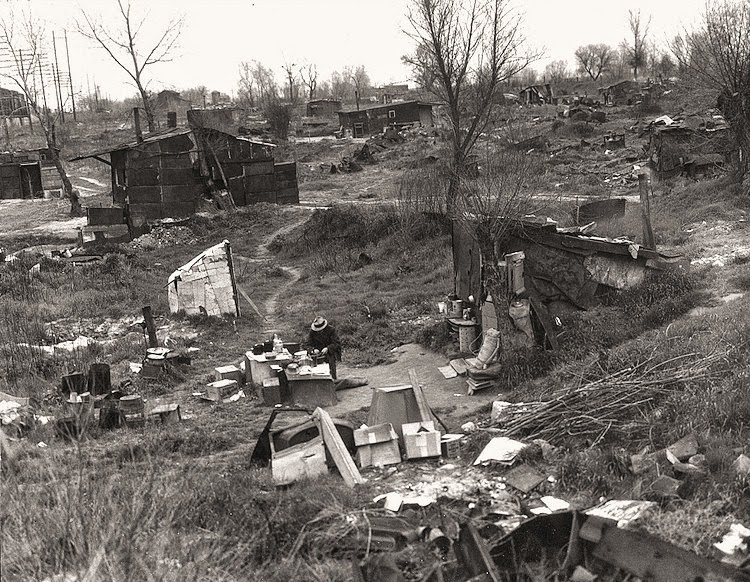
(684, 448)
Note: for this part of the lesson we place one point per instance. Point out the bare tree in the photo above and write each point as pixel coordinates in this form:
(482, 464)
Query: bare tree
(291, 76)
(341, 85)
(594, 59)
(246, 85)
(556, 71)
(491, 207)
(471, 47)
(22, 38)
(309, 75)
(123, 44)
(259, 84)
(637, 50)
(715, 58)
(424, 73)
(361, 81)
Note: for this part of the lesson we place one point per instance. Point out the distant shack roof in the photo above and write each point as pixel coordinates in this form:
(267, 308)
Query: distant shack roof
(390, 105)
(158, 136)
(152, 137)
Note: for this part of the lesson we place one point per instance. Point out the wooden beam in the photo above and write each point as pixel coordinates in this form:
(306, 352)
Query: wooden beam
(424, 408)
(337, 448)
(148, 320)
(99, 159)
(250, 301)
(648, 233)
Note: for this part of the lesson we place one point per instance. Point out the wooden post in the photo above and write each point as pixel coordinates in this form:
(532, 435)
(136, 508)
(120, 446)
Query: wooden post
(148, 319)
(648, 233)
(230, 263)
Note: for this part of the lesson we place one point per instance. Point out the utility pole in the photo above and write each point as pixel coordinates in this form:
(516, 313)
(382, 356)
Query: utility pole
(56, 79)
(23, 74)
(70, 77)
(44, 92)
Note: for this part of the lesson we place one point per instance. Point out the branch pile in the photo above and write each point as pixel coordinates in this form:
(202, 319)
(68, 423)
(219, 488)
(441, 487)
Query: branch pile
(618, 402)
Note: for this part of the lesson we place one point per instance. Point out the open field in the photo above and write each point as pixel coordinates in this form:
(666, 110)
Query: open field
(182, 501)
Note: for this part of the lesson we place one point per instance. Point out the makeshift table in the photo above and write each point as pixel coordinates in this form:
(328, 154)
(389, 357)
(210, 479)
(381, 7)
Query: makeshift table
(311, 390)
(258, 368)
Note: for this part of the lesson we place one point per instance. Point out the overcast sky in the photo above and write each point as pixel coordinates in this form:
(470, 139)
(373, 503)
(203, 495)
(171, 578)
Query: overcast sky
(219, 34)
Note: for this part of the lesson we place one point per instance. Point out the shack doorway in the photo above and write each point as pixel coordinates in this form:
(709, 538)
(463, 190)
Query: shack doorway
(31, 181)
(359, 130)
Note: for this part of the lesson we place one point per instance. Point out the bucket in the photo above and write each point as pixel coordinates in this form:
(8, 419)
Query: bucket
(456, 308)
(466, 336)
(292, 347)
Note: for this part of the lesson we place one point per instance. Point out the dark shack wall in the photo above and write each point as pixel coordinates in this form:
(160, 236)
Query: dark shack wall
(160, 181)
(322, 108)
(118, 167)
(669, 148)
(375, 119)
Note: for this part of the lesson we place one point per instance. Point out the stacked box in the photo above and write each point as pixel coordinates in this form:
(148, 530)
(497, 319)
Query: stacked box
(421, 440)
(377, 445)
(450, 445)
(228, 373)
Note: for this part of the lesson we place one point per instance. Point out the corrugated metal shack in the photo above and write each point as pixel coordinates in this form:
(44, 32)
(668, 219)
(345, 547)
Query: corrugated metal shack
(165, 174)
(28, 174)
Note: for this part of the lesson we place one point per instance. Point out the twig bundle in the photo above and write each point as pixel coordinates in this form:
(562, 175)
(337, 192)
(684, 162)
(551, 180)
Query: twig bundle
(620, 401)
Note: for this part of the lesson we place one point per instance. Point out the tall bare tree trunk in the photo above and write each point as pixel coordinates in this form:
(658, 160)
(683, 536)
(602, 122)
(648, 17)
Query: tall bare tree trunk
(147, 108)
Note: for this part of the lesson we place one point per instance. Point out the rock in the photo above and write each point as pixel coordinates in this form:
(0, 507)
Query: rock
(700, 462)
(665, 487)
(684, 448)
(741, 466)
(686, 469)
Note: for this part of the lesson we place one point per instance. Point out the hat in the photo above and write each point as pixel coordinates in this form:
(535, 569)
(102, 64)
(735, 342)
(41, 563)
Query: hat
(319, 324)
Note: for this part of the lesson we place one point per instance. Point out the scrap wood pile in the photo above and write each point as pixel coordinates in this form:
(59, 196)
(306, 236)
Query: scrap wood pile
(619, 402)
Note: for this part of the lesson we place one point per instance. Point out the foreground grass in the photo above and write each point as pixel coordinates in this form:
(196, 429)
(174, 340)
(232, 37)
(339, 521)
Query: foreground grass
(156, 519)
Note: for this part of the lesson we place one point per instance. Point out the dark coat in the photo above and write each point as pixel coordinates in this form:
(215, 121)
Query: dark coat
(326, 338)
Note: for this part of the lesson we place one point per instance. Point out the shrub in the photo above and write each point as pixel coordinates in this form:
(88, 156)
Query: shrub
(577, 129)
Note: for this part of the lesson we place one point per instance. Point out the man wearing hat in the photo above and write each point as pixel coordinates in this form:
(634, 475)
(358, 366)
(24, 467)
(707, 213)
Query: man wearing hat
(323, 337)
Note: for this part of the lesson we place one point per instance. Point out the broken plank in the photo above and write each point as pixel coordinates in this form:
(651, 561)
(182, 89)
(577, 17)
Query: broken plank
(337, 448)
(250, 301)
(651, 558)
(459, 365)
(424, 408)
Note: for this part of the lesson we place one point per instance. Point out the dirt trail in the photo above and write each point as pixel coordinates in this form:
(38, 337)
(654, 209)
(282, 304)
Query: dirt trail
(269, 307)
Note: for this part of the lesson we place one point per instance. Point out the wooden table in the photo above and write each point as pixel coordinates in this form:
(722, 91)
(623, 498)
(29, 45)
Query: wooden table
(311, 390)
(258, 368)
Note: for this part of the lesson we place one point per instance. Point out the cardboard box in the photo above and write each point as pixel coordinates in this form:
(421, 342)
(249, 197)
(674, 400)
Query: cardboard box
(216, 391)
(450, 445)
(228, 373)
(377, 445)
(421, 440)
(271, 391)
(303, 461)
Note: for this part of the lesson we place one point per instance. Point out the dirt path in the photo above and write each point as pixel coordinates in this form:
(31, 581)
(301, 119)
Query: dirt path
(269, 307)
